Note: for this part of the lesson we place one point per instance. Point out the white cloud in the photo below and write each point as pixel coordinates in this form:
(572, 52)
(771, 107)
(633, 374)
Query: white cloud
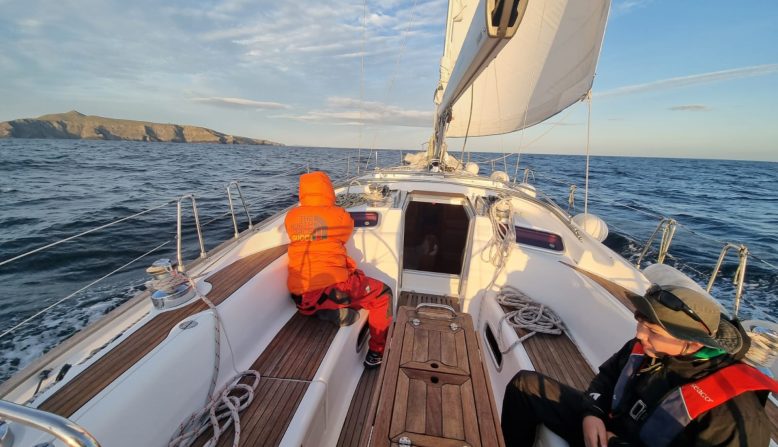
(690, 108)
(685, 81)
(350, 111)
(241, 103)
(621, 7)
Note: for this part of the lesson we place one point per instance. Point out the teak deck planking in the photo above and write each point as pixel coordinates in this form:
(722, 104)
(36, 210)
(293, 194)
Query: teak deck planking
(67, 400)
(414, 390)
(557, 357)
(287, 366)
(358, 411)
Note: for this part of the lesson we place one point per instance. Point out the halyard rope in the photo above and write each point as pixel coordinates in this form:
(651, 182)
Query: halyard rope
(528, 314)
(503, 235)
(222, 408)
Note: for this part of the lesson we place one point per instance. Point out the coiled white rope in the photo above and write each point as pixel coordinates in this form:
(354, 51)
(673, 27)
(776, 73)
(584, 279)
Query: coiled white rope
(499, 247)
(503, 234)
(764, 344)
(223, 409)
(528, 314)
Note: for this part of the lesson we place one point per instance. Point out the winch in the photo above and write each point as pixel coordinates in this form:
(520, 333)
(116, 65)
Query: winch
(169, 288)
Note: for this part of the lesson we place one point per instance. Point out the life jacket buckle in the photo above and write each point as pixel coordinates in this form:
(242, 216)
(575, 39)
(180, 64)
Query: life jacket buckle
(638, 410)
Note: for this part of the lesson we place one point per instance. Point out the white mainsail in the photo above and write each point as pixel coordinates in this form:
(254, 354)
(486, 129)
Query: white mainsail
(544, 68)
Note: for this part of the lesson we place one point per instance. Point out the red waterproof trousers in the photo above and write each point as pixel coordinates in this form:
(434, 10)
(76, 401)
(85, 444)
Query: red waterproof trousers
(356, 292)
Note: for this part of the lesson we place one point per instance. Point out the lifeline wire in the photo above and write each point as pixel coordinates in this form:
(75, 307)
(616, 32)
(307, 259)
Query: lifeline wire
(7, 261)
(83, 288)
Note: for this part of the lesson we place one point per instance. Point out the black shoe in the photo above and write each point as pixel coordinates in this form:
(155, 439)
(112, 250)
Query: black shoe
(339, 317)
(373, 360)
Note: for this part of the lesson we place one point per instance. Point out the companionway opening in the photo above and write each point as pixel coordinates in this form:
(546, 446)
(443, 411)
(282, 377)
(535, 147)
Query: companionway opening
(435, 237)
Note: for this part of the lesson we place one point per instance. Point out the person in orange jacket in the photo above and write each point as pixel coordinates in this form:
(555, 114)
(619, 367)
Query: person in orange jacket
(323, 280)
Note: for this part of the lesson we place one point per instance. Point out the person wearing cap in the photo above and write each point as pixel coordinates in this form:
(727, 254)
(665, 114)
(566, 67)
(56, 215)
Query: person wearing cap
(679, 382)
(323, 280)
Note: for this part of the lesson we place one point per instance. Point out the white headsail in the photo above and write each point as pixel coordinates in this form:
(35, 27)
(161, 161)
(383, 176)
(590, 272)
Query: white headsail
(544, 68)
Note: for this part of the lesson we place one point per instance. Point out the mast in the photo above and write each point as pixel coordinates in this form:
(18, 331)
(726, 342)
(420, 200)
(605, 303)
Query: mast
(493, 23)
(510, 64)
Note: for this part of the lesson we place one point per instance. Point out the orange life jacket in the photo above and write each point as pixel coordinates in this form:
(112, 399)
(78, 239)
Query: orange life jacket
(318, 231)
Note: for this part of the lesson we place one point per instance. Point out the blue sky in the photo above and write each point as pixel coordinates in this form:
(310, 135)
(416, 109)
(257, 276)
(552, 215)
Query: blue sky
(687, 78)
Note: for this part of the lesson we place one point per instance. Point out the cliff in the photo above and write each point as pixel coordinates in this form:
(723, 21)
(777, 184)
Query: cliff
(75, 125)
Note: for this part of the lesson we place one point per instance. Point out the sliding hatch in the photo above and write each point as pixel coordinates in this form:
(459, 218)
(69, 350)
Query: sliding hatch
(436, 240)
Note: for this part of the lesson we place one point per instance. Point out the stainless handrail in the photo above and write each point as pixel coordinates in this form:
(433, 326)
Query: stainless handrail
(527, 173)
(740, 273)
(178, 230)
(667, 226)
(65, 430)
(232, 210)
(445, 307)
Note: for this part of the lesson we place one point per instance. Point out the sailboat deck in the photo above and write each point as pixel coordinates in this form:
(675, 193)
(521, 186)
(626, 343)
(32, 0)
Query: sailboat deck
(287, 366)
(557, 357)
(67, 400)
(358, 411)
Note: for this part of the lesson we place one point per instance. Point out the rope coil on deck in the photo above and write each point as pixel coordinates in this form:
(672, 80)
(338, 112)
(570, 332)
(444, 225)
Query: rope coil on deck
(528, 314)
(223, 409)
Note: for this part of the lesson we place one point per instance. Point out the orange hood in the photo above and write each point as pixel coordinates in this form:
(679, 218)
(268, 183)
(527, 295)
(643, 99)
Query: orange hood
(316, 190)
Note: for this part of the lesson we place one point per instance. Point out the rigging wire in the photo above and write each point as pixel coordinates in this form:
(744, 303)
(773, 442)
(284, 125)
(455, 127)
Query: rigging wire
(395, 70)
(533, 82)
(362, 82)
(588, 139)
(8, 331)
(469, 120)
(109, 224)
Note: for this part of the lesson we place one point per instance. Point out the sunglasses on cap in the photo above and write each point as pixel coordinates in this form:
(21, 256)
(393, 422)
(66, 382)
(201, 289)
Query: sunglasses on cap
(674, 303)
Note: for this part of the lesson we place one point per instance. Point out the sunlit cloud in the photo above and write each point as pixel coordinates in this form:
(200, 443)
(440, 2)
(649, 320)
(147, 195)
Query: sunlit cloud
(621, 7)
(349, 111)
(690, 108)
(686, 81)
(241, 103)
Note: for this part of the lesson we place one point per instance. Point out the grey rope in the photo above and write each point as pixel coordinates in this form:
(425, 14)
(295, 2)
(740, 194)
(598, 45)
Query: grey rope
(527, 314)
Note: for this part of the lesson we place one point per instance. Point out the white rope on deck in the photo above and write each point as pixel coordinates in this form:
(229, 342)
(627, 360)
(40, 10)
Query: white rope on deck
(528, 314)
(222, 411)
(223, 408)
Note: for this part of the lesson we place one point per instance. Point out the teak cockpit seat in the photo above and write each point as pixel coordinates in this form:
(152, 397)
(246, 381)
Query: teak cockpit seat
(287, 366)
(557, 357)
(90, 382)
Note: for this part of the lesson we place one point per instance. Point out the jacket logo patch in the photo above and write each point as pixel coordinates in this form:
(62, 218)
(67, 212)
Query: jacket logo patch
(702, 393)
(595, 396)
(309, 228)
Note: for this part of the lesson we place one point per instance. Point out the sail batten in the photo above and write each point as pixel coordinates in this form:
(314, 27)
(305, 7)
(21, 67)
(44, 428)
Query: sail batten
(548, 65)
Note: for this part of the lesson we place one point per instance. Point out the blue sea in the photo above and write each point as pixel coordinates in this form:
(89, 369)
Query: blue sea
(54, 189)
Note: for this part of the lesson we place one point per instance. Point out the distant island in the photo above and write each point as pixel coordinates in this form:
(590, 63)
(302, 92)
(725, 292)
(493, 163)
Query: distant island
(75, 125)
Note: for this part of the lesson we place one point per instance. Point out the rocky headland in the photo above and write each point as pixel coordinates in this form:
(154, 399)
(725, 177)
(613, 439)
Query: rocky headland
(75, 125)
